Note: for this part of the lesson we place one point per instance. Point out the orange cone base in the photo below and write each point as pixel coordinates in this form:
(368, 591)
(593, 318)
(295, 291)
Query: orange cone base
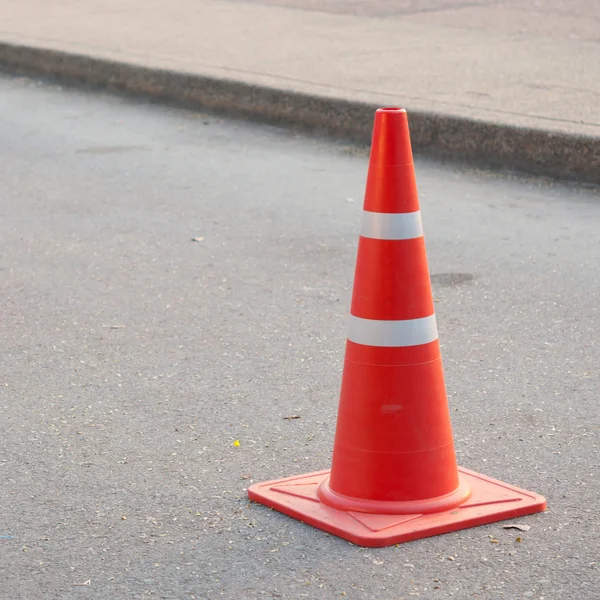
(490, 501)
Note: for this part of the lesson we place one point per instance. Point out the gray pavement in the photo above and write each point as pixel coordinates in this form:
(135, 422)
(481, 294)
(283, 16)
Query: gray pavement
(486, 77)
(133, 358)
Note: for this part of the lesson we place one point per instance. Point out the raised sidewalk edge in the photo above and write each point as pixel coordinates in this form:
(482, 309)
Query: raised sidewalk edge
(534, 151)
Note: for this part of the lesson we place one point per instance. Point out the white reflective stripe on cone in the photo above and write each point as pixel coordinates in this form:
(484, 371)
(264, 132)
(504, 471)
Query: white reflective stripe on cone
(392, 334)
(391, 226)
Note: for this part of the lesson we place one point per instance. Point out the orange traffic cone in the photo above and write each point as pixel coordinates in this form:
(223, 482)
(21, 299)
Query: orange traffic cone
(394, 476)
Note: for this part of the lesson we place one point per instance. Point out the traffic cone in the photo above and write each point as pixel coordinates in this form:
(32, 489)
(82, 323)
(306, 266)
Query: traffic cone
(394, 476)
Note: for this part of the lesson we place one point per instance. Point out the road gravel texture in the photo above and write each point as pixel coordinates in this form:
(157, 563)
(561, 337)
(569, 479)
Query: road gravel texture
(133, 358)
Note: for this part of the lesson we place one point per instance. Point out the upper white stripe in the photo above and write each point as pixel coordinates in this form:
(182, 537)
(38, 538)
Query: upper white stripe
(412, 332)
(391, 226)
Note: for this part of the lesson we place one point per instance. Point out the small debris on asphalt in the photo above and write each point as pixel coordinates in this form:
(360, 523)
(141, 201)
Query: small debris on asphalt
(292, 417)
(236, 443)
(519, 526)
(197, 239)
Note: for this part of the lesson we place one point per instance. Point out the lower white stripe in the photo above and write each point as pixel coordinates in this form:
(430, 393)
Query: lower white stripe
(412, 332)
(391, 226)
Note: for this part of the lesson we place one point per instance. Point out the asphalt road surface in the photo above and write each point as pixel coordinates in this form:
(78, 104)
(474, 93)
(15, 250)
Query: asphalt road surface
(132, 359)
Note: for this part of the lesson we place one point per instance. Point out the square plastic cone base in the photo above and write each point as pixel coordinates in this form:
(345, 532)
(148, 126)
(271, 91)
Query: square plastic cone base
(490, 501)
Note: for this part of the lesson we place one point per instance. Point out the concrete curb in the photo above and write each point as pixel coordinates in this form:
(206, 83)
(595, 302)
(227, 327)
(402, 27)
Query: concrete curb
(540, 152)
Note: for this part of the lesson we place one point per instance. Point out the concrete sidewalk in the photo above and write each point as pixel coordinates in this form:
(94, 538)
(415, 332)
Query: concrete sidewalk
(509, 66)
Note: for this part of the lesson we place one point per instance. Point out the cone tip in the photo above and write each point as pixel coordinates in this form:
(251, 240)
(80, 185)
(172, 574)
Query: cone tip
(391, 109)
(390, 145)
